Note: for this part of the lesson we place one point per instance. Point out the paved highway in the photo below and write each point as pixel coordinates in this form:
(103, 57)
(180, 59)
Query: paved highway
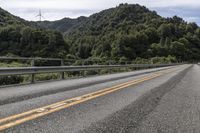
(154, 100)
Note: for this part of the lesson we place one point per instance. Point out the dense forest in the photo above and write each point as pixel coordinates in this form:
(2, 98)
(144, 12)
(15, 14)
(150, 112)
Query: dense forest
(22, 38)
(126, 32)
(63, 25)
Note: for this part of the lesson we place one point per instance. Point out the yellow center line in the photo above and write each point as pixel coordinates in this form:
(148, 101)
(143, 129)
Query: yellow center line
(17, 119)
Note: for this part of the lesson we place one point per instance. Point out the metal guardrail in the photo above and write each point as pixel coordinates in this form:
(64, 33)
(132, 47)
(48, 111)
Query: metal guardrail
(62, 69)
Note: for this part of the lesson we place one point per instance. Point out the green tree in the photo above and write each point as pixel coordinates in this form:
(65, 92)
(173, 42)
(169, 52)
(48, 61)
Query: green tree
(165, 30)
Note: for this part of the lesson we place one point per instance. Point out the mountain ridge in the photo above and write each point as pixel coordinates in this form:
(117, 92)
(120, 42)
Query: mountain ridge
(126, 32)
(62, 25)
(52, 24)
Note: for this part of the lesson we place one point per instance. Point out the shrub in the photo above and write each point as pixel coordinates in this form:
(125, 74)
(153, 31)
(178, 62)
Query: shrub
(8, 80)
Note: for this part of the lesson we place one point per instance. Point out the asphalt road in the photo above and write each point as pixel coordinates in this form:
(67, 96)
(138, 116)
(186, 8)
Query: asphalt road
(155, 101)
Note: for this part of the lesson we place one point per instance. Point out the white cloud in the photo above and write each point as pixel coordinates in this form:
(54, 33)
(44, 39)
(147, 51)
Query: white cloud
(93, 4)
(57, 9)
(169, 3)
(57, 4)
(192, 19)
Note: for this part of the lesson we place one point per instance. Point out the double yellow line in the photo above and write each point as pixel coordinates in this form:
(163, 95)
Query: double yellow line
(17, 119)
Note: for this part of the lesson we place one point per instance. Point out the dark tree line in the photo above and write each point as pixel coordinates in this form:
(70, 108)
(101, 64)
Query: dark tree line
(26, 42)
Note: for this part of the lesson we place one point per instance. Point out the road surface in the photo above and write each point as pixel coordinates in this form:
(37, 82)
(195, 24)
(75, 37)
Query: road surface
(164, 100)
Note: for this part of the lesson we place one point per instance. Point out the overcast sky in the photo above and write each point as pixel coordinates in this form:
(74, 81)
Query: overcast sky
(57, 9)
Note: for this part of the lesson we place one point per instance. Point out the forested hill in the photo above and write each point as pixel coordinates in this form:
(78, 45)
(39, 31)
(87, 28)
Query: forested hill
(7, 19)
(19, 37)
(132, 31)
(116, 32)
(126, 32)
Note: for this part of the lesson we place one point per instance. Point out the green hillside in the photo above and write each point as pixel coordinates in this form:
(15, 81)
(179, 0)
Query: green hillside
(6, 18)
(126, 32)
(132, 31)
(18, 37)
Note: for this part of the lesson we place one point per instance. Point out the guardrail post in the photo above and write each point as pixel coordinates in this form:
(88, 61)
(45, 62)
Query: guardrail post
(32, 75)
(126, 69)
(62, 74)
(110, 71)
